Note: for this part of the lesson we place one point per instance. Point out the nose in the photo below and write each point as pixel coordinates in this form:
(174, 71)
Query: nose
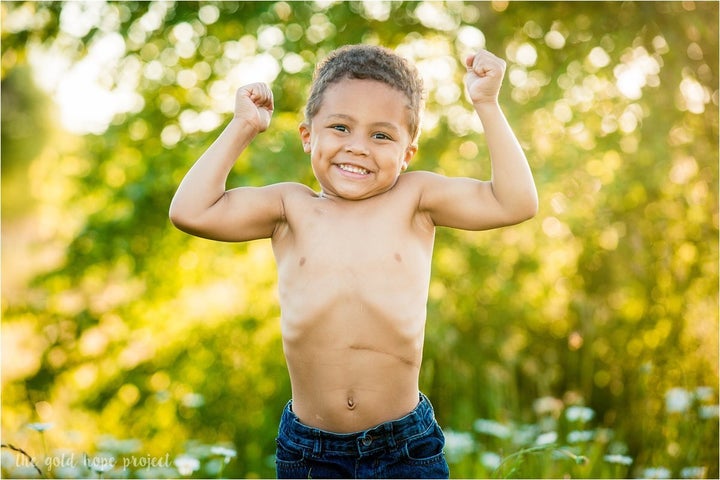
(356, 146)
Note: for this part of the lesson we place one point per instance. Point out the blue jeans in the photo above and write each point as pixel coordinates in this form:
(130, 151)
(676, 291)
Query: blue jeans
(410, 447)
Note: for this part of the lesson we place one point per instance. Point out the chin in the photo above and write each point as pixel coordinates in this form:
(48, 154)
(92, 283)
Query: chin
(354, 194)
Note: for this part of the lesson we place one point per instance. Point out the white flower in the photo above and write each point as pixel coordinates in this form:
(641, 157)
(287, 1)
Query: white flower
(40, 427)
(618, 459)
(228, 453)
(580, 436)
(458, 444)
(693, 472)
(186, 465)
(547, 438)
(492, 428)
(490, 460)
(677, 400)
(709, 411)
(658, 472)
(578, 413)
(704, 393)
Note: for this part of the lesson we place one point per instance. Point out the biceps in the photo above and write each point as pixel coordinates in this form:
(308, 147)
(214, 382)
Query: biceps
(243, 214)
(463, 203)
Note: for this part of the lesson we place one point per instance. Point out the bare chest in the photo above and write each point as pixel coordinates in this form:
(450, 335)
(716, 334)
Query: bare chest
(363, 239)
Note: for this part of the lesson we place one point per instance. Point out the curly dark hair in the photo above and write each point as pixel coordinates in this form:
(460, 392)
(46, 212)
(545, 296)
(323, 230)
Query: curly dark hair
(369, 62)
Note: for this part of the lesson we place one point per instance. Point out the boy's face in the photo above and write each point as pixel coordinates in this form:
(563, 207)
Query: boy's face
(358, 140)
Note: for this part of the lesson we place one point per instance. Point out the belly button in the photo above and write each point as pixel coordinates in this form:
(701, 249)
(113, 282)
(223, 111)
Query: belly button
(350, 403)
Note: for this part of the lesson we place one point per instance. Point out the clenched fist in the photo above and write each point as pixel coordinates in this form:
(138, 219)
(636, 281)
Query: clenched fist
(484, 76)
(254, 105)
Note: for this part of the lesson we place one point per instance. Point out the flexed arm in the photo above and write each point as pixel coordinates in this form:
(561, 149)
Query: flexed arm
(201, 206)
(512, 180)
(510, 196)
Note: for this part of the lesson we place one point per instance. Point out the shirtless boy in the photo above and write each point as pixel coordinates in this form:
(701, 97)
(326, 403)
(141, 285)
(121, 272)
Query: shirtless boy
(354, 259)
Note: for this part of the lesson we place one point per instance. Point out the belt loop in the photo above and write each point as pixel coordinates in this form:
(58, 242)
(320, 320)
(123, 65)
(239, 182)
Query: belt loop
(391, 436)
(317, 444)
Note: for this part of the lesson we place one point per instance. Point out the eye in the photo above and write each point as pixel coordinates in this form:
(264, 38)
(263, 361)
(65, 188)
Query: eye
(339, 128)
(381, 136)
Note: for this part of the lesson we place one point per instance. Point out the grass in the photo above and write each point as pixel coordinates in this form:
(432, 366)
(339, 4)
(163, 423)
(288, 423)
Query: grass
(564, 442)
(117, 459)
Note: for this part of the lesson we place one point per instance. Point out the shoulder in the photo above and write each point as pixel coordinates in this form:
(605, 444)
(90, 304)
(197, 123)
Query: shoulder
(422, 178)
(295, 197)
(293, 191)
(418, 184)
(296, 188)
(415, 179)
(421, 182)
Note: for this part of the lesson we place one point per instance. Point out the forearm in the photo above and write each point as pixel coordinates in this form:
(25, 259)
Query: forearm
(512, 181)
(205, 183)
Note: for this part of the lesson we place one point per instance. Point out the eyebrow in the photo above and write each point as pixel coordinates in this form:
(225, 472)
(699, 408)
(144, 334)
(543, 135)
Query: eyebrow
(349, 118)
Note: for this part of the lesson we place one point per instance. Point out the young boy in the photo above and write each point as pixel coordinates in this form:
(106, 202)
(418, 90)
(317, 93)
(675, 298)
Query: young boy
(354, 259)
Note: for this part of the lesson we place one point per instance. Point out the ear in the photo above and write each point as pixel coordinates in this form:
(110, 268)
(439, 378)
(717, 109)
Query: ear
(304, 130)
(410, 152)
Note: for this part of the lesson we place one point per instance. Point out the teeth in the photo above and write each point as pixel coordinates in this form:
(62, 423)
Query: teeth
(353, 169)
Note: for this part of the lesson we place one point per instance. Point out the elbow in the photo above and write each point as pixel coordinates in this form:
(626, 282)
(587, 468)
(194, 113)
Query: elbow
(533, 206)
(175, 214)
(180, 218)
(175, 218)
(527, 209)
(178, 221)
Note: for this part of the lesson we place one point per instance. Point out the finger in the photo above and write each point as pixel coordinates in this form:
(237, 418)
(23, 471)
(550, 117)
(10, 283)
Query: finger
(483, 58)
(483, 68)
(270, 102)
(261, 95)
(474, 58)
(266, 97)
(255, 92)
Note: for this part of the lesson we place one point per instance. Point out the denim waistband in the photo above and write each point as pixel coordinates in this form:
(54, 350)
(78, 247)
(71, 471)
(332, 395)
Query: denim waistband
(385, 436)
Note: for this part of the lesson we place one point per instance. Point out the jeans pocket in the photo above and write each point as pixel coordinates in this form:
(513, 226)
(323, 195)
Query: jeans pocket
(289, 461)
(427, 448)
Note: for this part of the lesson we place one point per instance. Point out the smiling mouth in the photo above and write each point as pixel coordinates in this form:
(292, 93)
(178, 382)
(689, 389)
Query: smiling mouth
(353, 169)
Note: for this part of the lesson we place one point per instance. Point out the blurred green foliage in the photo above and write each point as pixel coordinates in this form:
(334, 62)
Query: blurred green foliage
(116, 327)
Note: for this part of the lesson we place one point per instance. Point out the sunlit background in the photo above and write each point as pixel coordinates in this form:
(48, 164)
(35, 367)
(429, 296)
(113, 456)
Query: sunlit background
(581, 343)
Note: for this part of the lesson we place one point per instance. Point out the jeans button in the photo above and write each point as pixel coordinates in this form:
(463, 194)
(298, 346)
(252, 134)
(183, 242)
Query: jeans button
(366, 441)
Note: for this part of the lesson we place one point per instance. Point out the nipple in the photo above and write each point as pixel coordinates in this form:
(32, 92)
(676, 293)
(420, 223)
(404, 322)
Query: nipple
(351, 403)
